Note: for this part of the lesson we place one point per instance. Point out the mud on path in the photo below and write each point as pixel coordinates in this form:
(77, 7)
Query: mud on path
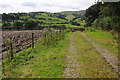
(71, 68)
(110, 59)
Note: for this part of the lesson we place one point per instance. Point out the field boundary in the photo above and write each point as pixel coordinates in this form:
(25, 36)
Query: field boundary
(19, 40)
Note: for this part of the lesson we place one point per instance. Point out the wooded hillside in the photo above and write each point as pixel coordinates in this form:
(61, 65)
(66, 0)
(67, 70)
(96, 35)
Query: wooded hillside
(104, 16)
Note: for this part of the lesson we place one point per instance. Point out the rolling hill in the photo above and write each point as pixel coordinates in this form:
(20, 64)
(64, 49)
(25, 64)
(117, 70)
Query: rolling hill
(41, 20)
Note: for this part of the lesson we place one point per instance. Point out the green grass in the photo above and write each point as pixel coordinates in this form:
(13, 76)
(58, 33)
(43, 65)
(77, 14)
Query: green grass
(0, 69)
(91, 63)
(105, 40)
(72, 26)
(50, 21)
(69, 17)
(47, 17)
(49, 61)
(0, 24)
(82, 23)
(24, 17)
(40, 62)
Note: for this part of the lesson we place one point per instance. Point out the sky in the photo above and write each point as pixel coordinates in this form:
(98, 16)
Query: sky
(11, 6)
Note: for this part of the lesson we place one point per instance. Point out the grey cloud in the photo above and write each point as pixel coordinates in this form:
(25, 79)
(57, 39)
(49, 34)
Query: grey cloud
(62, 6)
(44, 5)
(30, 4)
(4, 5)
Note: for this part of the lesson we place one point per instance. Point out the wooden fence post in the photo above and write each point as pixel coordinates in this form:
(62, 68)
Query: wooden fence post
(11, 51)
(32, 40)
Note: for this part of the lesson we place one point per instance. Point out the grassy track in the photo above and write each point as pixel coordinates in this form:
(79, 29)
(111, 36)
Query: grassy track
(105, 40)
(71, 68)
(72, 57)
(91, 64)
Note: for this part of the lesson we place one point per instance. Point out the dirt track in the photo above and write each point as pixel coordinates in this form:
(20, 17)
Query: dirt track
(71, 69)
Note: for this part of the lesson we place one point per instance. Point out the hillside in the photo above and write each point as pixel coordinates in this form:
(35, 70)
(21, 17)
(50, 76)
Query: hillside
(75, 13)
(74, 16)
(40, 20)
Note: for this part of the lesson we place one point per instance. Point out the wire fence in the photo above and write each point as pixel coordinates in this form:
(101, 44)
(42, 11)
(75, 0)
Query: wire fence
(16, 41)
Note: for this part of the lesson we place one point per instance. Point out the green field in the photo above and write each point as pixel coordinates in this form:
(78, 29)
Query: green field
(40, 20)
(69, 17)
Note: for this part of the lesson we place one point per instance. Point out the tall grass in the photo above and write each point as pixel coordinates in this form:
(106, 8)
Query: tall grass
(51, 36)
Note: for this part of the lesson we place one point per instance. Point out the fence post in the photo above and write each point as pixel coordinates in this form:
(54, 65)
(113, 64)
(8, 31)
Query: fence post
(11, 51)
(32, 40)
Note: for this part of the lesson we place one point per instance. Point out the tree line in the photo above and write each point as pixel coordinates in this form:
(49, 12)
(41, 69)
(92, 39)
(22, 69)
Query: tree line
(104, 16)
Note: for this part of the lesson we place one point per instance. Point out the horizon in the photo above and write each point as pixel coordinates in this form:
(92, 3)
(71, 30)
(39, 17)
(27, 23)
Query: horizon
(43, 11)
(52, 6)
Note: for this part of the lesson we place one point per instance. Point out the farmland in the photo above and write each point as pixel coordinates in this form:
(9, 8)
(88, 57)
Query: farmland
(58, 52)
(38, 20)
(20, 39)
(67, 44)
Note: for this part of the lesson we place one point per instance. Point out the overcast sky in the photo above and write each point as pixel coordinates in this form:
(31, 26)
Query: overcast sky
(8, 6)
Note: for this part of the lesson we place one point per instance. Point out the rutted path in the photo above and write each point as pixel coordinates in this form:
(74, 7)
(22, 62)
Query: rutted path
(71, 68)
(112, 60)
(84, 59)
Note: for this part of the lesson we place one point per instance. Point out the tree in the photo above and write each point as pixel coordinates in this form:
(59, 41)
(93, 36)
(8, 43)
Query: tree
(92, 13)
(30, 24)
(104, 16)
(17, 25)
(6, 24)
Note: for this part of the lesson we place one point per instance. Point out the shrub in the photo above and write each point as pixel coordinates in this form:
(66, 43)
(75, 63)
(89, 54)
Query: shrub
(91, 29)
(103, 23)
(114, 34)
(67, 30)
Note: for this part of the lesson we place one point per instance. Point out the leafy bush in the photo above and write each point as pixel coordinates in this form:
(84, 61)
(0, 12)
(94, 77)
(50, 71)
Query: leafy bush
(91, 29)
(67, 30)
(30, 24)
(103, 23)
(17, 25)
(114, 34)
